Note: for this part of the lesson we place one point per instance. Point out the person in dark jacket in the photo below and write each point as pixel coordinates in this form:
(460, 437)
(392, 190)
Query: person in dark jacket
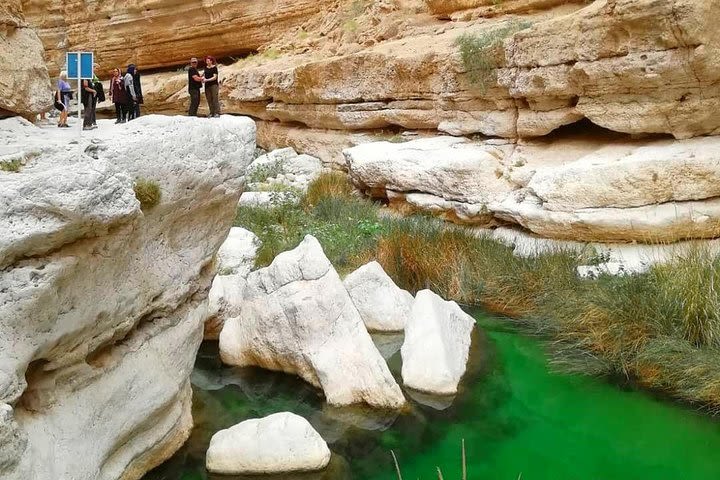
(99, 93)
(212, 86)
(88, 97)
(130, 95)
(118, 96)
(195, 82)
(138, 90)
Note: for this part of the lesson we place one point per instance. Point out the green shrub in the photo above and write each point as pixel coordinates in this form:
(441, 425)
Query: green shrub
(147, 192)
(11, 165)
(479, 52)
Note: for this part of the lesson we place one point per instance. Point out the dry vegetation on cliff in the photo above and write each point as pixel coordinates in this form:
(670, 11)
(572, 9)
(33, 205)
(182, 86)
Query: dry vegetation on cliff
(660, 328)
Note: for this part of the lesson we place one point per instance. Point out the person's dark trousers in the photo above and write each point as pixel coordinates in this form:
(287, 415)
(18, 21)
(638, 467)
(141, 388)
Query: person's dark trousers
(118, 112)
(94, 110)
(211, 93)
(136, 113)
(88, 113)
(130, 106)
(194, 102)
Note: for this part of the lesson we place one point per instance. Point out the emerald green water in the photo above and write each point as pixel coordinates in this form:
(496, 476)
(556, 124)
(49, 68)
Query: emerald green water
(516, 416)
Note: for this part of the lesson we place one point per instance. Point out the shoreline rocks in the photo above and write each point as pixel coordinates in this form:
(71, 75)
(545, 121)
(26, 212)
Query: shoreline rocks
(298, 318)
(279, 443)
(383, 306)
(437, 345)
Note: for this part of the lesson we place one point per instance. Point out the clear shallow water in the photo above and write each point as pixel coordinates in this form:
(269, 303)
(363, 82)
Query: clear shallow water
(517, 418)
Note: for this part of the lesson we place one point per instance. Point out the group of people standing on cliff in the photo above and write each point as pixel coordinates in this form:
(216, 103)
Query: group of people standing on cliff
(210, 80)
(125, 93)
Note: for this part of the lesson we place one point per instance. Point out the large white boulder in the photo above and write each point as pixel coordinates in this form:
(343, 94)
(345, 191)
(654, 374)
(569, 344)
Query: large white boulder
(238, 251)
(298, 318)
(224, 301)
(383, 306)
(279, 443)
(102, 302)
(437, 345)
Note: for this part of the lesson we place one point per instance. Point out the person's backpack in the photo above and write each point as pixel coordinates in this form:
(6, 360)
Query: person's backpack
(98, 86)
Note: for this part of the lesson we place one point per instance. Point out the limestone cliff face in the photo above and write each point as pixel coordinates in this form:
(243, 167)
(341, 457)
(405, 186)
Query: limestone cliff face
(102, 302)
(24, 82)
(161, 33)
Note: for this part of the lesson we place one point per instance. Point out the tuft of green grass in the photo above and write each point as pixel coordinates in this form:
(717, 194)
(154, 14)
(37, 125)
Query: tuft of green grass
(147, 192)
(11, 165)
(328, 185)
(479, 52)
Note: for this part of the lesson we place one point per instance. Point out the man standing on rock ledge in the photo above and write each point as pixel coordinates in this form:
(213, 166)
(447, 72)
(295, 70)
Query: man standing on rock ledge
(194, 85)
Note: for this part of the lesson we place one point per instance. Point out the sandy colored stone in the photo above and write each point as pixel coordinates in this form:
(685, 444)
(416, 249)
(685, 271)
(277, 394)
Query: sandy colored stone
(24, 85)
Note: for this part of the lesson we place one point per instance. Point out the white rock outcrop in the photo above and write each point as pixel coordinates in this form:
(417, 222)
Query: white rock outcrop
(298, 318)
(283, 168)
(279, 443)
(101, 302)
(234, 262)
(437, 345)
(238, 251)
(383, 306)
(582, 187)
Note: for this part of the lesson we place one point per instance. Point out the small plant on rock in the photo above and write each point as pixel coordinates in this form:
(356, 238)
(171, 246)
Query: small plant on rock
(479, 52)
(11, 165)
(147, 192)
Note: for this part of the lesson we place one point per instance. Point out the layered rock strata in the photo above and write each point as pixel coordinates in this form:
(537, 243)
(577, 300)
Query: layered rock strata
(576, 187)
(24, 85)
(161, 34)
(102, 302)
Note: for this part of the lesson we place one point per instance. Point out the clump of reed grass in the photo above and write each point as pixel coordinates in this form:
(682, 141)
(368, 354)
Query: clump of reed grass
(328, 185)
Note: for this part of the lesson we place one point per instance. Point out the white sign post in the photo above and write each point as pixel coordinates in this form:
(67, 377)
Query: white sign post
(80, 66)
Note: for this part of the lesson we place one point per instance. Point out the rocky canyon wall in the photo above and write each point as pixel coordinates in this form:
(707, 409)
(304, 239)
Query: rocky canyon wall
(24, 82)
(102, 300)
(161, 33)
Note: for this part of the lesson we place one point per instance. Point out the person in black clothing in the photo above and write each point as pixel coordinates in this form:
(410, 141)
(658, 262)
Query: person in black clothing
(138, 90)
(88, 97)
(212, 86)
(195, 82)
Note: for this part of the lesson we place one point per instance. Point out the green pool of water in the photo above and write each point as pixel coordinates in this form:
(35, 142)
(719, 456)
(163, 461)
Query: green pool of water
(518, 419)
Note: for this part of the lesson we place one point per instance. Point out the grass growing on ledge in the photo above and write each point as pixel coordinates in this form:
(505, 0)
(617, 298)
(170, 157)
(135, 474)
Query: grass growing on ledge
(660, 328)
(11, 165)
(147, 192)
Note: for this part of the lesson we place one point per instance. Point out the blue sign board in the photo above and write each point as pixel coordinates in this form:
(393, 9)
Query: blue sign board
(79, 65)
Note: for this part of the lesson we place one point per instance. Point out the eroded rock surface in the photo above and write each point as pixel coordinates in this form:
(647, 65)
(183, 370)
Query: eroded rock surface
(102, 303)
(298, 318)
(279, 443)
(25, 85)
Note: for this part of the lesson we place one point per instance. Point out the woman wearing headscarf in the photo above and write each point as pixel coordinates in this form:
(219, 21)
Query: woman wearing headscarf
(212, 86)
(62, 99)
(118, 96)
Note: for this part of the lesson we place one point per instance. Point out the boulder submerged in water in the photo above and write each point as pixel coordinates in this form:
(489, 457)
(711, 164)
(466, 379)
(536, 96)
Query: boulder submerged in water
(279, 443)
(298, 318)
(437, 345)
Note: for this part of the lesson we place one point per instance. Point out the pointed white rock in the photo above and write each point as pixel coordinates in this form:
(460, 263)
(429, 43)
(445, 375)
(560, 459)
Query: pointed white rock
(238, 251)
(298, 318)
(279, 443)
(383, 306)
(437, 345)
